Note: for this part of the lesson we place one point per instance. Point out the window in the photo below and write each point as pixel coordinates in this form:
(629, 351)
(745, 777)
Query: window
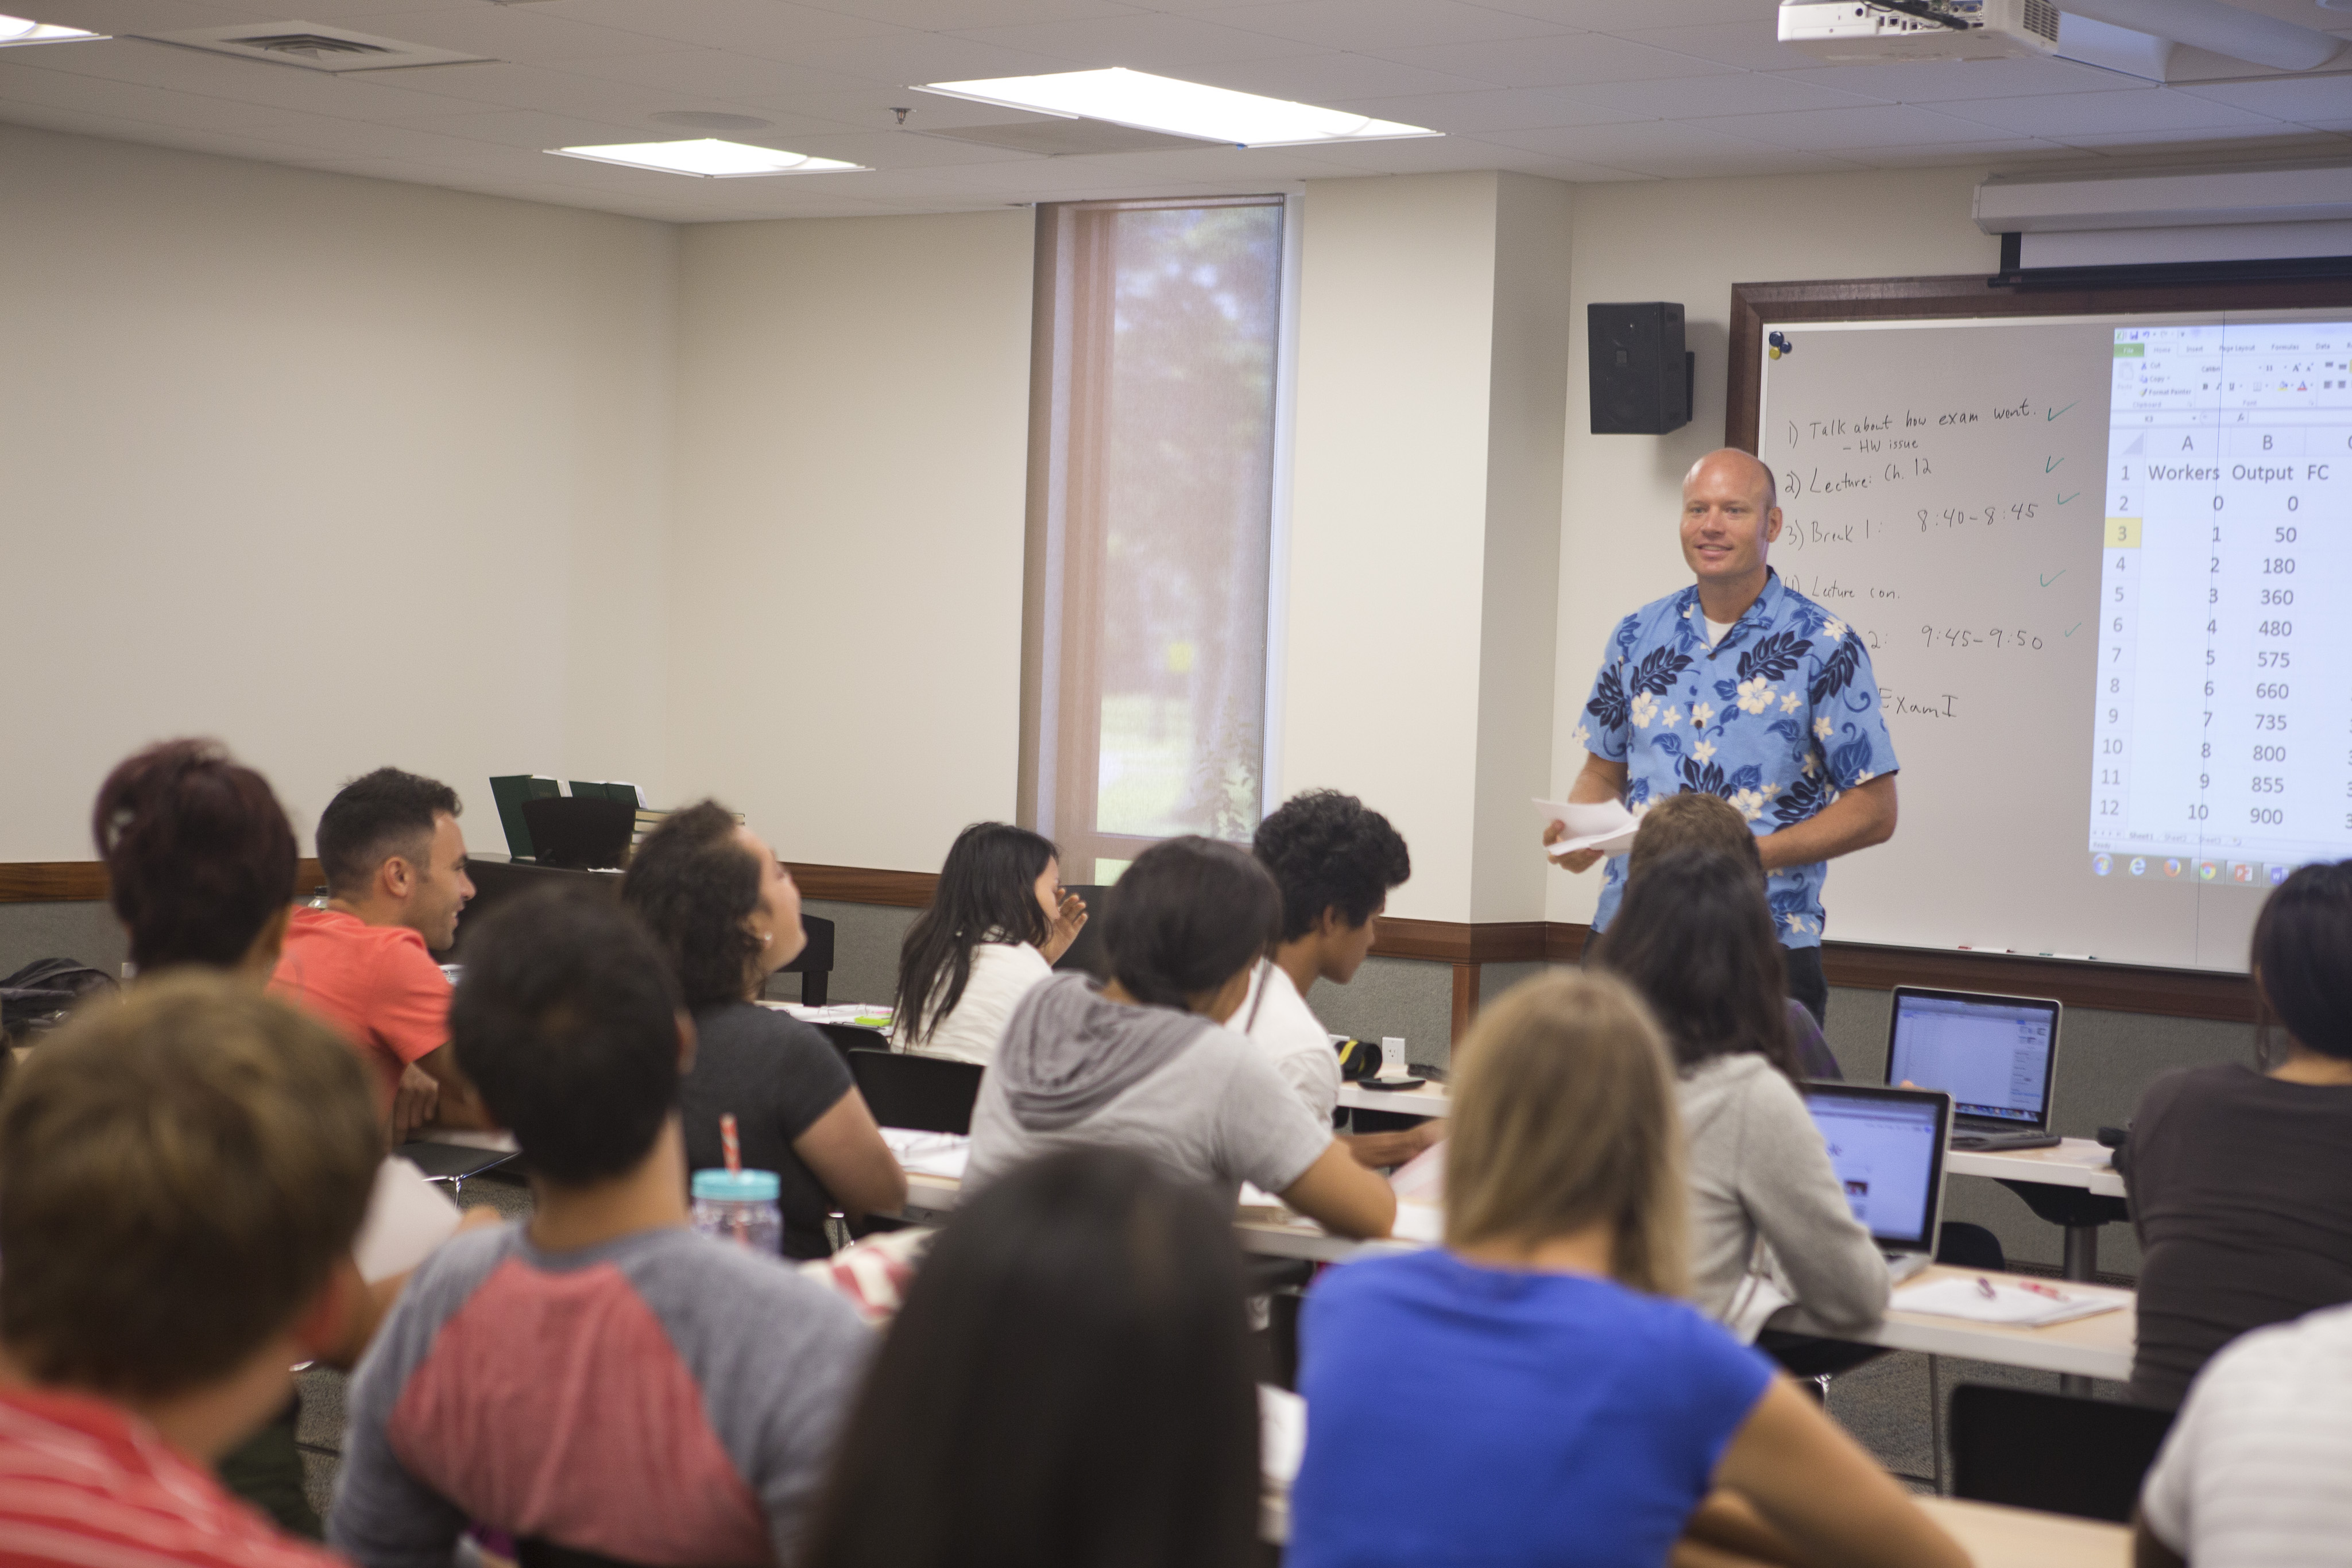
(1152, 490)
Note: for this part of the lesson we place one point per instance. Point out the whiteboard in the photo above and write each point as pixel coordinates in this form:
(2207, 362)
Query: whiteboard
(1945, 486)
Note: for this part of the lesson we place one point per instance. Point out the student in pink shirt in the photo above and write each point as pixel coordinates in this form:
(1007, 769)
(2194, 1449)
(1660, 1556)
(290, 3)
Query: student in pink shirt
(395, 861)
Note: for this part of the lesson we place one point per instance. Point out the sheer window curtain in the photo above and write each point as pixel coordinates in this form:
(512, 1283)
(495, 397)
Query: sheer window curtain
(1152, 458)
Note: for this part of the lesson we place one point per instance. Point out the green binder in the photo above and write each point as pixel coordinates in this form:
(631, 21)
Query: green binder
(606, 790)
(510, 792)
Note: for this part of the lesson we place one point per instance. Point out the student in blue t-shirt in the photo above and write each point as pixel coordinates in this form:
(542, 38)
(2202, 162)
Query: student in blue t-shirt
(1565, 1409)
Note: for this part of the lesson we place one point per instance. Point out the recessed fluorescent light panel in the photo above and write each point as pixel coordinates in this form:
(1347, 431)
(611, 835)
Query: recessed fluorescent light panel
(15, 30)
(707, 159)
(1180, 108)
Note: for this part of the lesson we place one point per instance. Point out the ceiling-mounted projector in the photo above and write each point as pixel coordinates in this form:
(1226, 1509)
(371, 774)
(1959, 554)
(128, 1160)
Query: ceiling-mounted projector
(1846, 32)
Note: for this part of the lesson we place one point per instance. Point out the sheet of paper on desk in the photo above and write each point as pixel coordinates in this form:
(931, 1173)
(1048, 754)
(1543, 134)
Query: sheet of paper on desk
(929, 1154)
(1606, 826)
(1964, 1297)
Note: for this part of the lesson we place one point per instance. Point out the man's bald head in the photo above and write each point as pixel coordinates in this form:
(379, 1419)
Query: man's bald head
(1766, 488)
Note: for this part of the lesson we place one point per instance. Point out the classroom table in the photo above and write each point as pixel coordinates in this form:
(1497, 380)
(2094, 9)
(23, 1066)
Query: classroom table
(2098, 1346)
(2070, 1180)
(1998, 1537)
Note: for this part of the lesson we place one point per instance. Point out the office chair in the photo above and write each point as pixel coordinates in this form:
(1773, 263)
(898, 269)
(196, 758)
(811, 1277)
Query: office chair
(926, 1093)
(580, 833)
(2057, 1452)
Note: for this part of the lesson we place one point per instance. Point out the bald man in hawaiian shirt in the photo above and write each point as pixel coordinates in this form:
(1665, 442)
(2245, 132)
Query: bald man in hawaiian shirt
(1743, 687)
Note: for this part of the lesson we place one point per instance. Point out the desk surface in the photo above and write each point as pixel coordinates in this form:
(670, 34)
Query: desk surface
(1429, 1100)
(1996, 1537)
(2077, 1162)
(2098, 1346)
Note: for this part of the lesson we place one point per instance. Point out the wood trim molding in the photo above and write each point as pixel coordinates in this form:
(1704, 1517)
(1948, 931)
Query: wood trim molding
(84, 882)
(2115, 988)
(858, 885)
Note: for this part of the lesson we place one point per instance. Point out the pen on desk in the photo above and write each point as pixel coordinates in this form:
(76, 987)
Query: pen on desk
(2042, 1290)
(1984, 1288)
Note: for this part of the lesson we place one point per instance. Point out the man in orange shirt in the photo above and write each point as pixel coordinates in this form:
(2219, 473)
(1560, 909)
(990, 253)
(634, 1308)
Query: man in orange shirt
(395, 867)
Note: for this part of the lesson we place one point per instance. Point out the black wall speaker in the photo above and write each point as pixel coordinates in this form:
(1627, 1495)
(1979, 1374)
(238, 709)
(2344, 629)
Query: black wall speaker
(1642, 375)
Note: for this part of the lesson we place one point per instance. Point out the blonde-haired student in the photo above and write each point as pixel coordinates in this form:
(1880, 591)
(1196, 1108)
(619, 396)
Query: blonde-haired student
(1565, 1407)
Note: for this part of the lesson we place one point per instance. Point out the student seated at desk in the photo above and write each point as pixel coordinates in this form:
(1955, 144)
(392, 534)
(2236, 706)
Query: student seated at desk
(2241, 1182)
(1696, 820)
(394, 861)
(1143, 1063)
(1531, 1392)
(1067, 1386)
(2251, 1474)
(1334, 862)
(1694, 939)
(998, 920)
(727, 916)
(597, 1377)
(180, 1179)
(200, 864)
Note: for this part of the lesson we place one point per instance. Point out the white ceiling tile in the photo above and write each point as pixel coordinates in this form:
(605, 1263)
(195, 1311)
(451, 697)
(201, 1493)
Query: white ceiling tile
(713, 73)
(2004, 152)
(2245, 142)
(2305, 99)
(1746, 92)
(1331, 78)
(2068, 115)
(1627, 16)
(872, 107)
(1751, 45)
(1373, 26)
(1658, 146)
(1849, 132)
(1954, 81)
(375, 96)
(912, 58)
(1559, 60)
(935, 16)
(23, 81)
(768, 28)
(522, 35)
(1165, 43)
(120, 17)
(1495, 108)
(1425, 155)
(885, 151)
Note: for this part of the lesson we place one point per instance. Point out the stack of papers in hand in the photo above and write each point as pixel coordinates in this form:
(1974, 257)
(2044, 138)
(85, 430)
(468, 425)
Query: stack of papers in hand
(869, 1014)
(1607, 826)
(1987, 1302)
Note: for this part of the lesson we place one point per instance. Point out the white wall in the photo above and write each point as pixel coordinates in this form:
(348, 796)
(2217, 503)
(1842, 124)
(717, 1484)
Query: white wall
(1690, 240)
(341, 471)
(852, 475)
(1432, 343)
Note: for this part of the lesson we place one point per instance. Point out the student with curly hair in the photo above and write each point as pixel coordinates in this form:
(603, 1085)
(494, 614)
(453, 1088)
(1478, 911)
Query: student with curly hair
(726, 915)
(1336, 861)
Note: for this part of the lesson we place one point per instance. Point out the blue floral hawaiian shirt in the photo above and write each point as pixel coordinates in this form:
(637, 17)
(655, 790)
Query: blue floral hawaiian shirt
(1777, 718)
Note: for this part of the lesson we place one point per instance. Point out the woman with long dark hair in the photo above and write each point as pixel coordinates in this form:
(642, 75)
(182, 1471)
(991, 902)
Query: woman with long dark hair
(1693, 937)
(996, 923)
(1068, 1386)
(2241, 1178)
(726, 915)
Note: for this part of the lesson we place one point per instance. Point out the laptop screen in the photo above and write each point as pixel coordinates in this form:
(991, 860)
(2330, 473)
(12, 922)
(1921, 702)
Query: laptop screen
(1991, 1054)
(1887, 1146)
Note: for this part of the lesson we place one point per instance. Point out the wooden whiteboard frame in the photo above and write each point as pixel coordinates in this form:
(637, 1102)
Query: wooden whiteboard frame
(2182, 993)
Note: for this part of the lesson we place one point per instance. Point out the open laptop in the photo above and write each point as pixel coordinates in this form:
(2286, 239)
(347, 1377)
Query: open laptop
(1887, 1148)
(1996, 1056)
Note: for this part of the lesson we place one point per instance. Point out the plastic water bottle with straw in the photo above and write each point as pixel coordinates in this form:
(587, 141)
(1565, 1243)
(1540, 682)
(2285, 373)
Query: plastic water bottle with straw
(736, 1205)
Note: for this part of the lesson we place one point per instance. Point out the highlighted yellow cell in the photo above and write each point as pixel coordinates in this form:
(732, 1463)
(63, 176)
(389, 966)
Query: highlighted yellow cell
(2122, 533)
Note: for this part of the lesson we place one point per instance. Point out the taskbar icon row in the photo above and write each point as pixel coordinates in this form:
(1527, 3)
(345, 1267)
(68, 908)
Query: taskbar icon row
(2175, 868)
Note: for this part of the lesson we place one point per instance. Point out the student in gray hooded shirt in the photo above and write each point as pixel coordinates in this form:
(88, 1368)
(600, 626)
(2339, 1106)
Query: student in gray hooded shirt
(1144, 1062)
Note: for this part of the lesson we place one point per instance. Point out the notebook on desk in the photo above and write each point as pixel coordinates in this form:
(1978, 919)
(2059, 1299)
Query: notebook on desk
(1887, 1146)
(1996, 1056)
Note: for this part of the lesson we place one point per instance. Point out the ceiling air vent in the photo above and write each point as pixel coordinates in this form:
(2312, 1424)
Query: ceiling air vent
(313, 47)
